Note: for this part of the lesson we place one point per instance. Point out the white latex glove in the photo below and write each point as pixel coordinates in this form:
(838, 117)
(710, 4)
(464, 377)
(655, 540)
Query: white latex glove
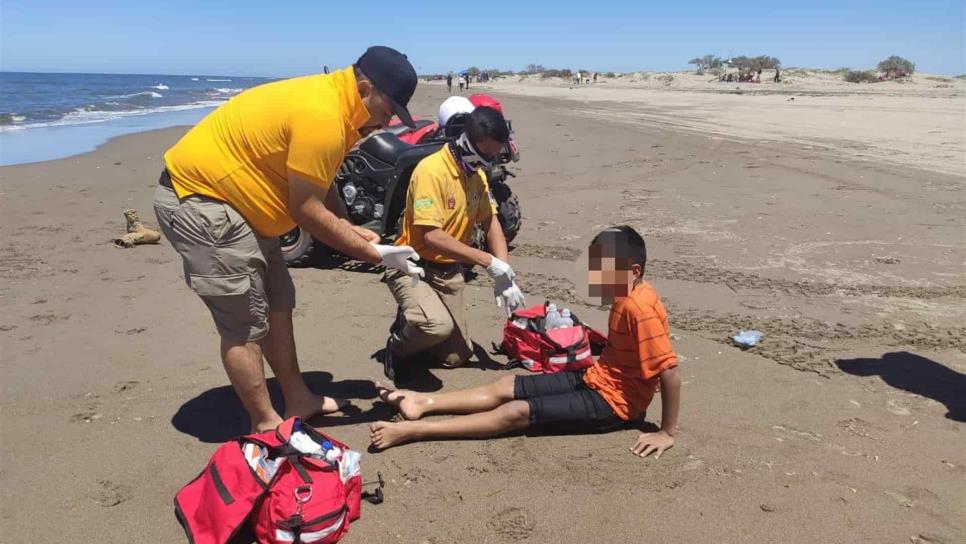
(511, 299)
(502, 275)
(505, 290)
(400, 258)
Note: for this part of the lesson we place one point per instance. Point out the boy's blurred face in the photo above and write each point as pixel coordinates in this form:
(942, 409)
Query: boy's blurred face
(610, 277)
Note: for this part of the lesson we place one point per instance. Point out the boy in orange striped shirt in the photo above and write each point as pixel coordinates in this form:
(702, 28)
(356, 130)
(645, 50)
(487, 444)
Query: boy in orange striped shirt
(616, 390)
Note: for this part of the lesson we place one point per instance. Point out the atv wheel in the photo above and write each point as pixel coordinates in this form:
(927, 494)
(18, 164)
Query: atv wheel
(298, 247)
(510, 216)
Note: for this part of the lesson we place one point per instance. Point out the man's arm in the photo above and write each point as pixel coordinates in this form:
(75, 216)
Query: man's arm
(441, 242)
(496, 240)
(334, 205)
(305, 205)
(663, 440)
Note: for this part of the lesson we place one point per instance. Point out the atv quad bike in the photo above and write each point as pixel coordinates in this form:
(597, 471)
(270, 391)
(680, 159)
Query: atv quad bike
(373, 180)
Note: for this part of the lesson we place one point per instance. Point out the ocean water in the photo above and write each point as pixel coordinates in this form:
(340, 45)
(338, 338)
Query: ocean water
(48, 116)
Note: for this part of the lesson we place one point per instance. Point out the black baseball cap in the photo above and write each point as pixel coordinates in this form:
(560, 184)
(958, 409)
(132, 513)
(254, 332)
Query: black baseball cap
(391, 73)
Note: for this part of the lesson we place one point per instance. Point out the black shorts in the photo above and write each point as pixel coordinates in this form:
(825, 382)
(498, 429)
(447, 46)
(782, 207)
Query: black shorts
(562, 400)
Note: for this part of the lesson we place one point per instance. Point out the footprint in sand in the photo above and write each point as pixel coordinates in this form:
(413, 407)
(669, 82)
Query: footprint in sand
(85, 417)
(121, 387)
(893, 406)
(512, 524)
(109, 494)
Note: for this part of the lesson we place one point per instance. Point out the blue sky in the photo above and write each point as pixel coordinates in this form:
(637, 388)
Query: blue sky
(289, 38)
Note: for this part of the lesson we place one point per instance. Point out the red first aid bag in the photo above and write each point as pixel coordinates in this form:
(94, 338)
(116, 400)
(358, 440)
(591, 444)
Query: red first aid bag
(287, 496)
(556, 350)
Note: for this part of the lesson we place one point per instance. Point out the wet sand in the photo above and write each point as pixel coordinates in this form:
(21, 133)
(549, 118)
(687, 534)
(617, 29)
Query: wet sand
(845, 425)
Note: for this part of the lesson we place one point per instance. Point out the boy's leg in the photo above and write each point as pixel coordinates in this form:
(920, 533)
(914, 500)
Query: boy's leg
(551, 399)
(512, 416)
(413, 405)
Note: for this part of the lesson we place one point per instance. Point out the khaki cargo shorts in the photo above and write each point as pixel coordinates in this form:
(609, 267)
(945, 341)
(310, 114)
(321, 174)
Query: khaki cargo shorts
(238, 274)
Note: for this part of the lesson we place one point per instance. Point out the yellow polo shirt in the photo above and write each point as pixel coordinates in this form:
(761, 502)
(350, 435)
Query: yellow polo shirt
(242, 152)
(441, 195)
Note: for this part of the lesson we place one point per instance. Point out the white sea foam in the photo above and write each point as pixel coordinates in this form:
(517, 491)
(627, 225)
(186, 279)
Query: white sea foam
(84, 117)
(152, 94)
(160, 87)
(218, 80)
(227, 90)
(194, 79)
(17, 118)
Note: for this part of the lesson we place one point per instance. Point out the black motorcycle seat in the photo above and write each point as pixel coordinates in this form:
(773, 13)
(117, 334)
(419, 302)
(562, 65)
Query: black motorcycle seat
(401, 129)
(384, 146)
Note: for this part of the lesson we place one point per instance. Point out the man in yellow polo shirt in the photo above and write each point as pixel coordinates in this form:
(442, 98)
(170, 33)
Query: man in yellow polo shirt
(448, 196)
(249, 172)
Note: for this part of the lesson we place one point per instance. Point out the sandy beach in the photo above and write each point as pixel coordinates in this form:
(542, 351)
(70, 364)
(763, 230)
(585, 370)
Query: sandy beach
(918, 122)
(833, 222)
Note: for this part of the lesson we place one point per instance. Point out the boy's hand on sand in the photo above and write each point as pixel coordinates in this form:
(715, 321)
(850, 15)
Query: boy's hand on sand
(656, 443)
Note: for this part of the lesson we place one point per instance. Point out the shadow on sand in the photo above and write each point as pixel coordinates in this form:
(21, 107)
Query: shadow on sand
(217, 415)
(417, 373)
(915, 374)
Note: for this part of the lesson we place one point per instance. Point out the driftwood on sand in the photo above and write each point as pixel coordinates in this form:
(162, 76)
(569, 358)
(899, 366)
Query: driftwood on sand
(137, 233)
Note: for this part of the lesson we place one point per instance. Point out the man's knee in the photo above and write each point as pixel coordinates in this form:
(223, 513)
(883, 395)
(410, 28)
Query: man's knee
(432, 330)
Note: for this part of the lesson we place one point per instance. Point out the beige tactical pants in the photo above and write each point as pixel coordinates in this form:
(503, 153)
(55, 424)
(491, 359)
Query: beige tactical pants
(432, 314)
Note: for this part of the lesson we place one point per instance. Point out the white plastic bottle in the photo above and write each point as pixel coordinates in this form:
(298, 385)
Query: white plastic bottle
(565, 319)
(552, 321)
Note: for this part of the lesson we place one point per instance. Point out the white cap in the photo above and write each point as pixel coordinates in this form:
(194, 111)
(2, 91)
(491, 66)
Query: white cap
(452, 106)
(565, 312)
(551, 307)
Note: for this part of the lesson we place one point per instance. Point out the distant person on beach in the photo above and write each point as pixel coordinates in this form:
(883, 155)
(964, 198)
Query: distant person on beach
(447, 199)
(449, 83)
(252, 170)
(778, 75)
(614, 392)
(462, 83)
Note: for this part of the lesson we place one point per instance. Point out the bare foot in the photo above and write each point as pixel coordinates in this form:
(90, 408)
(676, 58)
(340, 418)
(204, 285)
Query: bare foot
(384, 434)
(267, 425)
(410, 404)
(311, 405)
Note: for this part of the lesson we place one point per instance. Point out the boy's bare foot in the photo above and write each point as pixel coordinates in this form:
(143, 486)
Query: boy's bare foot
(410, 404)
(384, 434)
(311, 404)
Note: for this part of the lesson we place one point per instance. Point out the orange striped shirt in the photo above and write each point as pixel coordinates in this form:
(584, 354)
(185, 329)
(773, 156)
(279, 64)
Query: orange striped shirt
(638, 350)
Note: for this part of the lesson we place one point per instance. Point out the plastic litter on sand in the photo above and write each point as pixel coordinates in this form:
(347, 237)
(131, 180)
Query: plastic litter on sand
(747, 339)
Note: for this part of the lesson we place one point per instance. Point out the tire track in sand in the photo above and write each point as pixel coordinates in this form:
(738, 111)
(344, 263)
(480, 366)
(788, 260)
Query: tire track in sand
(803, 343)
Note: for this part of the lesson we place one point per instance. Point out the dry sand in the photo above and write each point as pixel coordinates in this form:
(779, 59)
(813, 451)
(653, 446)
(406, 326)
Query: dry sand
(919, 122)
(114, 396)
